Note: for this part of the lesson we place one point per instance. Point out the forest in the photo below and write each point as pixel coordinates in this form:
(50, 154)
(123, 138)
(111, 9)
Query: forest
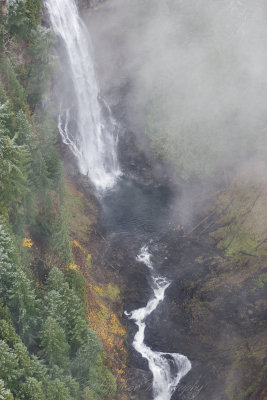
(133, 200)
(47, 349)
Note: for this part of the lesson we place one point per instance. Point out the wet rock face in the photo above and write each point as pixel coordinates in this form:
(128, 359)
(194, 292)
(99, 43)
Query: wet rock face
(139, 382)
(202, 316)
(208, 314)
(213, 322)
(121, 254)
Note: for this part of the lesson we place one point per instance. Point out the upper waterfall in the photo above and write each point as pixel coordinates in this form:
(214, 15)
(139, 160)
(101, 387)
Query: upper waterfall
(95, 140)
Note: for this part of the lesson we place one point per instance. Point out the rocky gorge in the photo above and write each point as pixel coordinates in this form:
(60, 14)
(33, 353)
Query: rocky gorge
(214, 310)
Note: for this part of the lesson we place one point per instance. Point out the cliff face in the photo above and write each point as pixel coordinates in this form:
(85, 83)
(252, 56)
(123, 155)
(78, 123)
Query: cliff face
(215, 309)
(104, 285)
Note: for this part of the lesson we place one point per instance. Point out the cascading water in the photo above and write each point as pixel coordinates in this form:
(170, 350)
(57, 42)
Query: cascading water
(95, 141)
(167, 368)
(94, 144)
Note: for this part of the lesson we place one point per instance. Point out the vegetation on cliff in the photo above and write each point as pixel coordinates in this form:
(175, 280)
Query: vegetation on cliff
(48, 351)
(225, 295)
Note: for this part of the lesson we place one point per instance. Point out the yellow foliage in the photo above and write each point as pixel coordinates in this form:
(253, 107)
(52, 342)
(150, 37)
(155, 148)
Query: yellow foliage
(99, 290)
(27, 243)
(77, 244)
(74, 266)
(112, 292)
(121, 371)
(115, 326)
(89, 260)
(112, 334)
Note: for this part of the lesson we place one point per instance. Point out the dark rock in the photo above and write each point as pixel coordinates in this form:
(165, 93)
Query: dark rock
(139, 382)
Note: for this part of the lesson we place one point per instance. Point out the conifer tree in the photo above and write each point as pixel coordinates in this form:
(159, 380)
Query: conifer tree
(23, 301)
(55, 348)
(5, 394)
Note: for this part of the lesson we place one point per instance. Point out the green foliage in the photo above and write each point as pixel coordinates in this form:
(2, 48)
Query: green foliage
(23, 129)
(6, 115)
(8, 332)
(13, 87)
(102, 381)
(54, 346)
(34, 12)
(39, 69)
(77, 283)
(79, 333)
(31, 389)
(13, 168)
(18, 21)
(57, 390)
(56, 280)
(60, 242)
(112, 292)
(5, 394)
(16, 288)
(9, 371)
(23, 16)
(49, 322)
(7, 261)
(262, 280)
(25, 306)
(86, 357)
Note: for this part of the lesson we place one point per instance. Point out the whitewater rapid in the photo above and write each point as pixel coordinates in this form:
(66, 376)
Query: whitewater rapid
(167, 368)
(95, 141)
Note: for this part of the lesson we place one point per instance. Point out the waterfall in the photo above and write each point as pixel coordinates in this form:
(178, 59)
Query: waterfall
(95, 139)
(167, 368)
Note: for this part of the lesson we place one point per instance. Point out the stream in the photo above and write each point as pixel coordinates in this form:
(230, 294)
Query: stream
(167, 368)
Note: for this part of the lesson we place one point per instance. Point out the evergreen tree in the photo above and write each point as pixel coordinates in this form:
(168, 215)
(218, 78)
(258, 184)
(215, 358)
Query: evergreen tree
(13, 163)
(34, 12)
(8, 260)
(5, 394)
(9, 366)
(60, 242)
(55, 348)
(23, 129)
(18, 21)
(56, 281)
(79, 333)
(57, 390)
(32, 205)
(77, 284)
(55, 307)
(38, 369)
(8, 333)
(6, 116)
(86, 358)
(25, 306)
(13, 87)
(39, 51)
(31, 389)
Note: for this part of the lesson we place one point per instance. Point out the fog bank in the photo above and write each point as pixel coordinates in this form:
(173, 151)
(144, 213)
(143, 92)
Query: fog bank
(190, 74)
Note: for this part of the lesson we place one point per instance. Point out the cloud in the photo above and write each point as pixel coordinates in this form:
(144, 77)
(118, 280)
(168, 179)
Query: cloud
(191, 73)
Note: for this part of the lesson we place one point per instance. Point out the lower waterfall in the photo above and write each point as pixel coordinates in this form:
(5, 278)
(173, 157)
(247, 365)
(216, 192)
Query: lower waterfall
(167, 368)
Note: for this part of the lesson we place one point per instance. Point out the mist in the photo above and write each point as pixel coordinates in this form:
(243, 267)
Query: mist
(190, 75)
